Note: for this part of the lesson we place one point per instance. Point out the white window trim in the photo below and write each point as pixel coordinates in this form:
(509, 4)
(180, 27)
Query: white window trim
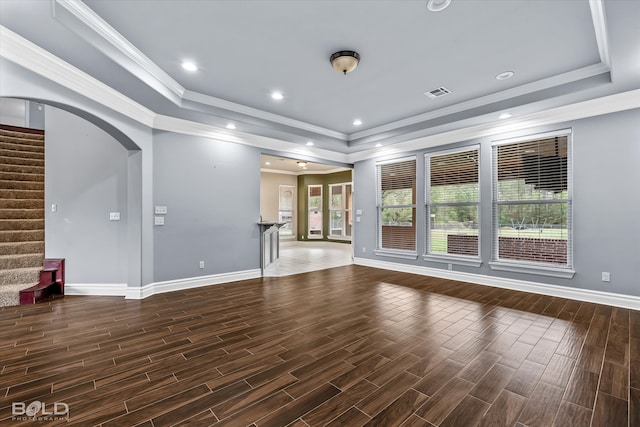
(392, 253)
(309, 235)
(343, 210)
(469, 261)
(529, 267)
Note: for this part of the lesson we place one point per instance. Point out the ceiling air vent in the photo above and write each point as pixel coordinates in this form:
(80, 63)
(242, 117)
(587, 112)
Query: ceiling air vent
(438, 92)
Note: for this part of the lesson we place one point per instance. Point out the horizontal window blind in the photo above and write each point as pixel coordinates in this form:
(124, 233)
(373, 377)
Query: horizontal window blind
(453, 197)
(532, 201)
(396, 205)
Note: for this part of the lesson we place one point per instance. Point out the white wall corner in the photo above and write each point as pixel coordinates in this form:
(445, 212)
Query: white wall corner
(598, 297)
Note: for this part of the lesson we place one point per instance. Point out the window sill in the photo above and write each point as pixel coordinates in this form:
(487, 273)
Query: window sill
(541, 270)
(342, 238)
(396, 254)
(455, 260)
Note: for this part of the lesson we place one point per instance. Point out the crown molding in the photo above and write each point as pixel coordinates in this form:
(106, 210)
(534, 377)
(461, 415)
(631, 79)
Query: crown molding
(579, 110)
(212, 101)
(306, 172)
(600, 28)
(24, 53)
(188, 127)
(553, 81)
(81, 19)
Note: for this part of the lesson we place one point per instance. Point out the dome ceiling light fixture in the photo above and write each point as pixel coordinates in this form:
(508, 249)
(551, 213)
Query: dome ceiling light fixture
(345, 61)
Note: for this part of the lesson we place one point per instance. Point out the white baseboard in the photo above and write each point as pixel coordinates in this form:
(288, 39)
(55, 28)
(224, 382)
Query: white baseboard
(100, 289)
(188, 283)
(606, 298)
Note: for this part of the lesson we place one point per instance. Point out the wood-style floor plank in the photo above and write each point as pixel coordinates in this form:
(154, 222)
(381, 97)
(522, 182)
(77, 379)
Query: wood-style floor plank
(345, 346)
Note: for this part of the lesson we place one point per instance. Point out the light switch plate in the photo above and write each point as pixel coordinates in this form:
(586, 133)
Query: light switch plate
(159, 220)
(161, 210)
(358, 211)
(114, 216)
(54, 208)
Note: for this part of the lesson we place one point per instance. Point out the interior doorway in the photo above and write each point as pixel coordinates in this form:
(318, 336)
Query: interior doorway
(314, 202)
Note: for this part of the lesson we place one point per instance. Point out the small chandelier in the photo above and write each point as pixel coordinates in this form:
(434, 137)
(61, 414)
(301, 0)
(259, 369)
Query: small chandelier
(345, 61)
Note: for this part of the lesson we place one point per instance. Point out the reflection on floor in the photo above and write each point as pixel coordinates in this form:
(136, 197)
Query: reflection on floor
(301, 257)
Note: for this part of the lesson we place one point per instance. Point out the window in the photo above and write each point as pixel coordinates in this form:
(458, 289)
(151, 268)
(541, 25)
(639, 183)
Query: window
(452, 203)
(532, 201)
(285, 209)
(340, 211)
(397, 205)
(315, 211)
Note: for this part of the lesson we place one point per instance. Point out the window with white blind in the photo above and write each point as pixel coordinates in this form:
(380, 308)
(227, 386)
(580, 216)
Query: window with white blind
(452, 203)
(396, 207)
(532, 203)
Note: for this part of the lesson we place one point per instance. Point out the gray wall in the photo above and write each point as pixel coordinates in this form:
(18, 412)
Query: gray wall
(212, 193)
(86, 177)
(606, 159)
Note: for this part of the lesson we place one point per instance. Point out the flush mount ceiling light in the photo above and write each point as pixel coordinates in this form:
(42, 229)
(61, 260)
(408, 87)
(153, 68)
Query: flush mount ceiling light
(344, 61)
(438, 5)
(302, 164)
(505, 75)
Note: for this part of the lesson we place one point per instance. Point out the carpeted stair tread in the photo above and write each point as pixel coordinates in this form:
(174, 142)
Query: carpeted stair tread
(15, 248)
(21, 185)
(29, 136)
(33, 142)
(17, 276)
(25, 213)
(19, 147)
(9, 262)
(21, 236)
(22, 169)
(21, 224)
(10, 294)
(21, 154)
(22, 203)
(21, 194)
(21, 176)
(20, 161)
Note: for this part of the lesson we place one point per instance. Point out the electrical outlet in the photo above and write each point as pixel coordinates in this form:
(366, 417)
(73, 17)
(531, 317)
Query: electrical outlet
(158, 220)
(114, 216)
(364, 250)
(201, 264)
(606, 276)
(161, 210)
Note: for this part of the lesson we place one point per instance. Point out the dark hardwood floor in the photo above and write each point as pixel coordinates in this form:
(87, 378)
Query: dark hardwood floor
(348, 346)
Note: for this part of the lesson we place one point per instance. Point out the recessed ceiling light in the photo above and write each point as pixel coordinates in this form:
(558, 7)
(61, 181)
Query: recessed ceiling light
(231, 126)
(438, 5)
(504, 116)
(378, 145)
(505, 75)
(277, 95)
(357, 122)
(189, 66)
(309, 143)
(267, 163)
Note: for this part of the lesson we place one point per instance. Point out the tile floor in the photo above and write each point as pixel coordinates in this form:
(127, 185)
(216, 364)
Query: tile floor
(301, 257)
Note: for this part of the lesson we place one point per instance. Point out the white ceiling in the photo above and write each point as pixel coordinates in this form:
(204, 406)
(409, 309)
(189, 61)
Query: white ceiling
(561, 51)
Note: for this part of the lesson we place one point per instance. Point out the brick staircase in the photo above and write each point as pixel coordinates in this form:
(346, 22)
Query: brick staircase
(21, 211)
